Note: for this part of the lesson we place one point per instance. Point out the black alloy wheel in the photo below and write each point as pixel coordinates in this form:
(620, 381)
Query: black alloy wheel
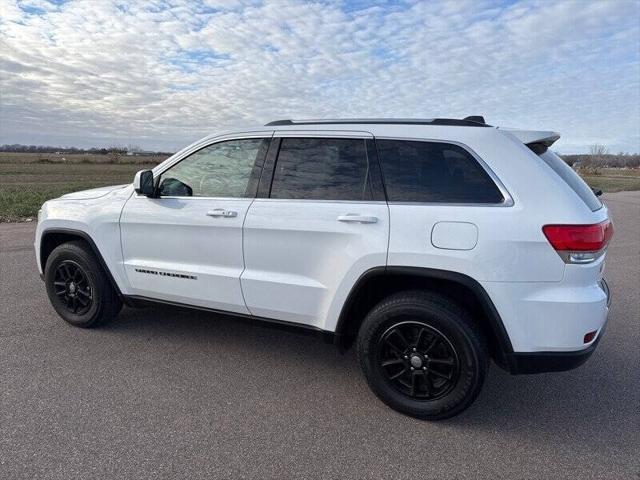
(418, 360)
(73, 287)
(423, 354)
(78, 287)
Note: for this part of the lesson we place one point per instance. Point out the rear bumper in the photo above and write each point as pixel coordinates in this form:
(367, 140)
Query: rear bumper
(552, 316)
(557, 361)
(540, 362)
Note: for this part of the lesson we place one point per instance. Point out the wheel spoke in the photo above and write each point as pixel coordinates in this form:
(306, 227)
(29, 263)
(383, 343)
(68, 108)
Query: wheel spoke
(427, 383)
(67, 272)
(398, 374)
(442, 361)
(399, 334)
(432, 344)
(420, 337)
(439, 374)
(395, 361)
(396, 350)
(414, 381)
(83, 293)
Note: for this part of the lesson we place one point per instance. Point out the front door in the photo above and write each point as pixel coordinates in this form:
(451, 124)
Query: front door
(185, 246)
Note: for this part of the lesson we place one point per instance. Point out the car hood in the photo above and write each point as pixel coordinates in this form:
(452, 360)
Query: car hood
(92, 193)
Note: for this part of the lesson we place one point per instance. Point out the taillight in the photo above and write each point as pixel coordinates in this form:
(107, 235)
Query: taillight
(575, 240)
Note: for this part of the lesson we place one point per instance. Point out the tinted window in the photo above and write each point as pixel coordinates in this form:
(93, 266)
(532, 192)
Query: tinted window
(219, 170)
(321, 169)
(572, 179)
(434, 172)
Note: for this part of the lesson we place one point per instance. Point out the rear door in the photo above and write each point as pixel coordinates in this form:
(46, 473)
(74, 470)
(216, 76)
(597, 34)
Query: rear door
(316, 226)
(186, 245)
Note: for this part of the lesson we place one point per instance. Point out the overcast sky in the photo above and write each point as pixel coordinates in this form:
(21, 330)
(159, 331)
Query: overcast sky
(160, 74)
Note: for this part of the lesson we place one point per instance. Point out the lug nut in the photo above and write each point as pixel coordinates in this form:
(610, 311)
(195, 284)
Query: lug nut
(411, 368)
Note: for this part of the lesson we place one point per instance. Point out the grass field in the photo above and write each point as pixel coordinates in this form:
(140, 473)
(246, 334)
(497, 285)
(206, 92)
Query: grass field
(28, 180)
(615, 179)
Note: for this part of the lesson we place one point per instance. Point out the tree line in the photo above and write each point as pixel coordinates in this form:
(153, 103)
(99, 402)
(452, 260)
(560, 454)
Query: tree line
(599, 157)
(18, 148)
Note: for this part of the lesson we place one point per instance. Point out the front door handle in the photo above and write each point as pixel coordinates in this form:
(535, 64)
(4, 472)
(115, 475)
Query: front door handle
(355, 218)
(220, 212)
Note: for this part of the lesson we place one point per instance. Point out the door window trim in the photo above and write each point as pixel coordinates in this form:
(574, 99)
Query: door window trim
(207, 142)
(258, 164)
(374, 171)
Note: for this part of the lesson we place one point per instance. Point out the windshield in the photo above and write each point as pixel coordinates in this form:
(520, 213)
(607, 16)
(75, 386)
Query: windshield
(572, 179)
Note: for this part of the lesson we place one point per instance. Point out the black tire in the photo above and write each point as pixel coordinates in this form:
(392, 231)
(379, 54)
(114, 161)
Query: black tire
(78, 288)
(435, 357)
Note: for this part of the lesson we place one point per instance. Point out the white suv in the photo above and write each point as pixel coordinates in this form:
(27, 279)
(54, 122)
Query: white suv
(434, 245)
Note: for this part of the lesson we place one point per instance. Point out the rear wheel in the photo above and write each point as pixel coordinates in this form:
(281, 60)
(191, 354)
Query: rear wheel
(78, 287)
(422, 355)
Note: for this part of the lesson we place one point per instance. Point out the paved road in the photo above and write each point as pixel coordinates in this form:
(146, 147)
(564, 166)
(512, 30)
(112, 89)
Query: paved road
(169, 393)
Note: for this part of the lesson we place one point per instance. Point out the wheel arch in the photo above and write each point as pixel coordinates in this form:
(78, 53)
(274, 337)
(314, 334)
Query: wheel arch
(379, 282)
(54, 237)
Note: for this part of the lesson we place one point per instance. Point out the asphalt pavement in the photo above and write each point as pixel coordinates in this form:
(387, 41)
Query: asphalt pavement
(172, 393)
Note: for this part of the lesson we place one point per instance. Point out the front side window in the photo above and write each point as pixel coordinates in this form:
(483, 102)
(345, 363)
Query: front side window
(322, 169)
(433, 172)
(219, 170)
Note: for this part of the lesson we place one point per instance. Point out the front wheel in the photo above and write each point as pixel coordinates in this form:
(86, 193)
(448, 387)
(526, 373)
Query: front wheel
(423, 355)
(78, 287)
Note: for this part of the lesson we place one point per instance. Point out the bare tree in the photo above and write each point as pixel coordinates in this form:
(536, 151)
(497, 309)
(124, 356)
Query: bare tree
(115, 153)
(597, 150)
(596, 159)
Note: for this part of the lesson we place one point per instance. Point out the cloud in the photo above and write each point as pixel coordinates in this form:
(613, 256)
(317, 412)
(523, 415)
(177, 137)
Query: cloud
(163, 73)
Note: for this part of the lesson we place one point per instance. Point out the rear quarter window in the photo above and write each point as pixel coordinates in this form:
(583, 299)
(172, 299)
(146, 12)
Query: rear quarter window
(571, 178)
(434, 172)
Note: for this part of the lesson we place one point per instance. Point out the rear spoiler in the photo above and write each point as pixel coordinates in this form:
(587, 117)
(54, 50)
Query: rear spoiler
(538, 141)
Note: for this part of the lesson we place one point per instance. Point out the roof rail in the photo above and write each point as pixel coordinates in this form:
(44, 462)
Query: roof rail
(473, 121)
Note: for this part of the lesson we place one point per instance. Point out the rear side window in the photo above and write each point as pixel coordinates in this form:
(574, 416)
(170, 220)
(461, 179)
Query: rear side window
(321, 169)
(434, 172)
(572, 179)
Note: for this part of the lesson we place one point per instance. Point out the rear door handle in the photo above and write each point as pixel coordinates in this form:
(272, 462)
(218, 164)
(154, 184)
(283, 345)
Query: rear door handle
(220, 212)
(355, 218)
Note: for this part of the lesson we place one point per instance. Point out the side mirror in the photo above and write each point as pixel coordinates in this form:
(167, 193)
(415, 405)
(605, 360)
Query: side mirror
(143, 183)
